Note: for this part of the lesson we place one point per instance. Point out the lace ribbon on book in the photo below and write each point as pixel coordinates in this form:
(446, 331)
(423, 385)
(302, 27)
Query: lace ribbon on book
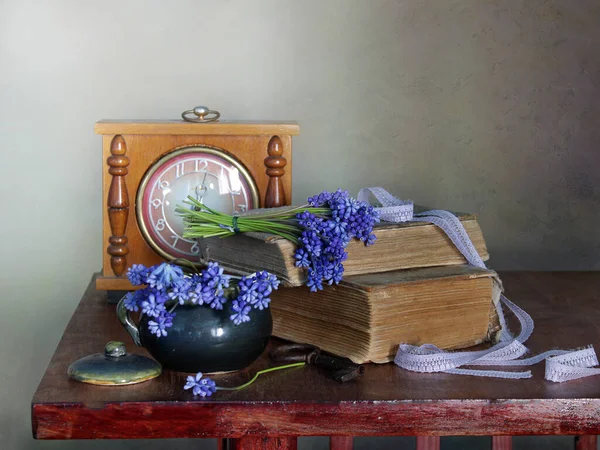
(561, 365)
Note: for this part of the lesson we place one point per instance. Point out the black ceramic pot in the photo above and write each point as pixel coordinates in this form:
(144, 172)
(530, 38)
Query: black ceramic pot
(203, 339)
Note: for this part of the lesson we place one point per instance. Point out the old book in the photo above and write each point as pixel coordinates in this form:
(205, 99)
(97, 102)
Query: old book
(366, 317)
(399, 246)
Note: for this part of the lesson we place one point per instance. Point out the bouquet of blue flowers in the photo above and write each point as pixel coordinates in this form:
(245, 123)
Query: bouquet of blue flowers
(321, 230)
(167, 286)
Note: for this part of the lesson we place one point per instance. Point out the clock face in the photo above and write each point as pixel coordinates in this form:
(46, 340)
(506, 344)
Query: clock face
(207, 174)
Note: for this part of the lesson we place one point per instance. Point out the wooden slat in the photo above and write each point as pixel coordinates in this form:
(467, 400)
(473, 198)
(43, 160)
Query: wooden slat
(263, 443)
(586, 442)
(501, 442)
(341, 443)
(428, 443)
(179, 127)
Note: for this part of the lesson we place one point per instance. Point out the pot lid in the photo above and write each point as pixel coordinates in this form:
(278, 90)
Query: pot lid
(114, 367)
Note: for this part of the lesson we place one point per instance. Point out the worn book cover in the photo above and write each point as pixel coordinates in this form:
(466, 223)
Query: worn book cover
(399, 246)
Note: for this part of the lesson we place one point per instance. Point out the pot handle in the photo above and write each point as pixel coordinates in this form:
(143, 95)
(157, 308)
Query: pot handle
(128, 323)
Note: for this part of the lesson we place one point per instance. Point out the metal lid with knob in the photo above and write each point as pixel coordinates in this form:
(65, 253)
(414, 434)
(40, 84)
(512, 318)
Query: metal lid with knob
(114, 367)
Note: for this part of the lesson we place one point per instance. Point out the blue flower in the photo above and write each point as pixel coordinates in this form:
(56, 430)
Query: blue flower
(255, 289)
(315, 281)
(337, 228)
(154, 305)
(333, 273)
(208, 295)
(371, 239)
(131, 302)
(210, 286)
(195, 290)
(311, 242)
(213, 296)
(322, 245)
(262, 303)
(320, 200)
(213, 276)
(242, 310)
(160, 325)
(335, 247)
(180, 291)
(164, 276)
(205, 387)
(217, 302)
(307, 220)
(268, 279)
(247, 289)
(137, 274)
(302, 257)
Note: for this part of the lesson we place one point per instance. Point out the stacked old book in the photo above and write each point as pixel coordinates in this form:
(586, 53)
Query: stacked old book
(413, 286)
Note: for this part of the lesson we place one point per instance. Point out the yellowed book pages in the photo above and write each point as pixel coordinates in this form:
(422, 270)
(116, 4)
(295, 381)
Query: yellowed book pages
(366, 317)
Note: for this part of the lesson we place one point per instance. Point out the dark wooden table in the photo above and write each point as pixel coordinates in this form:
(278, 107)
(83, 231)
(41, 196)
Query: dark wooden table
(387, 400)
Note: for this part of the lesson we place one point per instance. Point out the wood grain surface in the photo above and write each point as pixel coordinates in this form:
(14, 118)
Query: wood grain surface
(221, 127)
(386, 400)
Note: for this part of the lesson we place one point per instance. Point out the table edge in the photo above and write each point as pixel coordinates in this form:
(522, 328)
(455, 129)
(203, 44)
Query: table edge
(197, 419)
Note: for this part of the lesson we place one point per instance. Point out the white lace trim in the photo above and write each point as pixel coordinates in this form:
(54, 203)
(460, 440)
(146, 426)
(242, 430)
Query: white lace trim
(561, 365)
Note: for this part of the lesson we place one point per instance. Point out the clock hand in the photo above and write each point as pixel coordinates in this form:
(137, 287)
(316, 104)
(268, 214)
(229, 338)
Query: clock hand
(201, 188)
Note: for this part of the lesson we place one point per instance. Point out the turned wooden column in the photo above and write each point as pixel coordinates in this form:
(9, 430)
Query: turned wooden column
(118, 205)
(275, 164)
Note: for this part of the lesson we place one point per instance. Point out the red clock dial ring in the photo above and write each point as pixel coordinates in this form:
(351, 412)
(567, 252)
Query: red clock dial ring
(210, 175)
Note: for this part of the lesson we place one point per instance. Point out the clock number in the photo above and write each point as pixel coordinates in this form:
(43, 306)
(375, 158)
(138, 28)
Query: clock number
(163, 185)
(180, 170)
(176, 240)
(195, 248)
(201, 164)
(156, 203)
(235, 183)
(160, 224)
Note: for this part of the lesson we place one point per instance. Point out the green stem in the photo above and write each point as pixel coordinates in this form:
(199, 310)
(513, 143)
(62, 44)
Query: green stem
(260, 372)
(185, 262)
(201, 221)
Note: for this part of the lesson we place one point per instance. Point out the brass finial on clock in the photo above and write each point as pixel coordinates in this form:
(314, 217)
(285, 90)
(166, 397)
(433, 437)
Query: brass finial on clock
(203, 114)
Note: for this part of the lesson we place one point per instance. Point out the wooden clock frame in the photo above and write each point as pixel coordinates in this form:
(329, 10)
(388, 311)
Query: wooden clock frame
(130, 148)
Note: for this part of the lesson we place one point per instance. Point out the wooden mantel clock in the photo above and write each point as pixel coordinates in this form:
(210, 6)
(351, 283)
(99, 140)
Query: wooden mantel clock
(150, 167)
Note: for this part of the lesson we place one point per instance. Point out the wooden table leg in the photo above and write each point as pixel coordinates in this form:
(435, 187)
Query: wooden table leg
(341, 442)
(260, 443)
(428, 443)
(586, 442)
(501, 442)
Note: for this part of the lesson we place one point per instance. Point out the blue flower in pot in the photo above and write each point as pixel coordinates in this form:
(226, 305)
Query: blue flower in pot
(200, 322)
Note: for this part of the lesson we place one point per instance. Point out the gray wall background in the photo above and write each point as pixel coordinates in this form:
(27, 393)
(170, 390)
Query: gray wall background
(472, 105)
